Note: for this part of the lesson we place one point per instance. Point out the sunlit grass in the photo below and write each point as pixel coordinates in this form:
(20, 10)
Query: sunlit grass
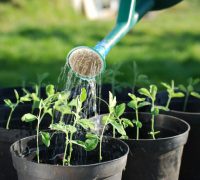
(35, 37)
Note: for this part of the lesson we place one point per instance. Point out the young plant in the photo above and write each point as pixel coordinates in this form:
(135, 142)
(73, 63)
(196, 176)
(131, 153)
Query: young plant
(114, 119)
(35, 97)
(137, 78)
(135, 104)
(171, 92)
(13, 105)
(62, 105)
(151, 94)
(69, 130)
(189, 90)
(45, 107)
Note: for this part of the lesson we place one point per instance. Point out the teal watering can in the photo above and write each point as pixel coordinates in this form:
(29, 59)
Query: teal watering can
(89, 62)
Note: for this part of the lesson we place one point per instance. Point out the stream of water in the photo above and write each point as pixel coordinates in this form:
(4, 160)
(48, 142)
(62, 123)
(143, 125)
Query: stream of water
(74, 84)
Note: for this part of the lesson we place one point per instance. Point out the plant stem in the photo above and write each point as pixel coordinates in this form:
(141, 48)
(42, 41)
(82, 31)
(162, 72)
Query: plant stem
(39, 119)
(186, 101)
(100, 143)
(113, 132)
(38, 152)
(137, 120)
(70, 149)
(9, 118)
(65, 152)
(61, 117)
(152, 122)
(101, 138)
(168, 102)
(152, 127)
(71, 136)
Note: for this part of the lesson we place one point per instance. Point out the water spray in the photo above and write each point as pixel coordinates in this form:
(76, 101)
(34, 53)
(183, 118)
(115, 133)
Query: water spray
(89, 62)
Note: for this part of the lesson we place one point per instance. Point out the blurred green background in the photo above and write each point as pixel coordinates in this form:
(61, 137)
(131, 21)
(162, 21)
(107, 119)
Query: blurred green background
(36, 35)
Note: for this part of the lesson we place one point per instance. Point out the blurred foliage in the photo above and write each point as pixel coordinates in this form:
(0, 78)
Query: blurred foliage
(35, 37)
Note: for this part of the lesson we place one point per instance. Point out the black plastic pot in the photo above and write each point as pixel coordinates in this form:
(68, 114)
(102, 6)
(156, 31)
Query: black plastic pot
(17, 130)
(84, 164)
(158, 159)
(191, 155)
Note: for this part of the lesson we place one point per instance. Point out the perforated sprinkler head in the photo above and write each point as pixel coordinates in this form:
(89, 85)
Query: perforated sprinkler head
(85, 62)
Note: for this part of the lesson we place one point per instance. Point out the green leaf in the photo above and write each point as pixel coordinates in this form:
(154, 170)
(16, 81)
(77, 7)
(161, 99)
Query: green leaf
(16, 94)
(73, 102)
(153, 91)
(91, 144)
(112, 100)
(45, 138)
(105, 119)
(133, 97)
(195, 94)
(90, 136)
(87, 124)
(63, 128)
(28, 117)
(190, 88)
(145, 92)
(83, 95)
(119, 110)
(142, 104)
(35, 97)
(9, 103)
(64, 109)
(50, 90)
(126, 122)
(138, 124)
(155, 111)
(182, 88)
(178, 95)
(166, 85)
(133, 104)
(118, 127)
(50, 112)
(25, 98)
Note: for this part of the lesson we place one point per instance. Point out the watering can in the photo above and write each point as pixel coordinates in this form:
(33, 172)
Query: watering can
(88, 62)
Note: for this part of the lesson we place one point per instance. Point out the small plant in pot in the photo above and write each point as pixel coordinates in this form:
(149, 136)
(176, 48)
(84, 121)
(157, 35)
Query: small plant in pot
(120, 88)
(72, 150)
(186, 107)
(13, 129)
(156, 141)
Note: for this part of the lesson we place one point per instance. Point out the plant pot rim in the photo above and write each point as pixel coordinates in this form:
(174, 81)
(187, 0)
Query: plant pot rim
(184, 112)
(71, 166)
(159, 139)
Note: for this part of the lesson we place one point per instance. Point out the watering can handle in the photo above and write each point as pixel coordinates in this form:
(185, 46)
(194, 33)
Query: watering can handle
(130, 12)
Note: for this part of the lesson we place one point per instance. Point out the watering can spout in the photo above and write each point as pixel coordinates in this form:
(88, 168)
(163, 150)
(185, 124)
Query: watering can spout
(130, 12)
(89, 62)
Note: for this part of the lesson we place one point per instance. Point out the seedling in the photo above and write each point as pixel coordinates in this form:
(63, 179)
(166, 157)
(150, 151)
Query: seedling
(151, 94)
(13, 105)
(44, 108)
(135, 104)
(137, 78)
(114, 119)
(171, 92)
(189, 90)
(69, 130)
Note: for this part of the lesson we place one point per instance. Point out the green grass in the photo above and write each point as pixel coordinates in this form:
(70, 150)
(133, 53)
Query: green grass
(35, 37)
